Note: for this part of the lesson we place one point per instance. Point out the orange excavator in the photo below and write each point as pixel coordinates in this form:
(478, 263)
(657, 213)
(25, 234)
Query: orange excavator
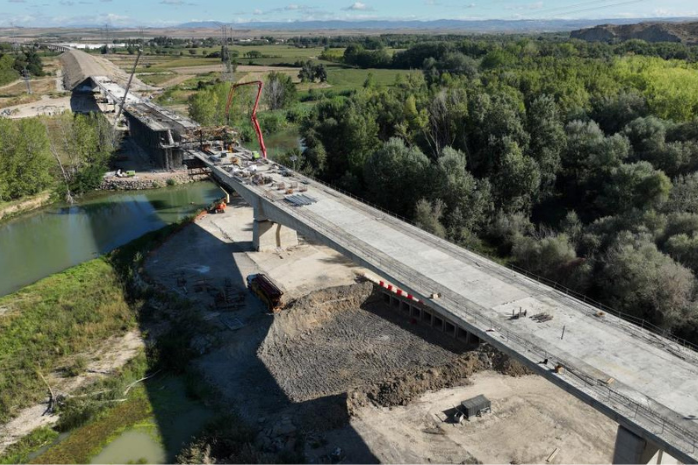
(255, 122)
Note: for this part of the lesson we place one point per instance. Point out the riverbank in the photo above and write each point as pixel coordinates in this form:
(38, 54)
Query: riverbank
(17, 207)
(54, 238)
(146, 181)
(63, 347)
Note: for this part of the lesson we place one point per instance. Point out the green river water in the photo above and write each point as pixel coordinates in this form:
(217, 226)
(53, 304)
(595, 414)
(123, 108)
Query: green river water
(52, 239)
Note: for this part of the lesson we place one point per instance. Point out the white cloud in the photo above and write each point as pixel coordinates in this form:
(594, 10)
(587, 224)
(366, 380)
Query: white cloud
(528, 6)
(359, 6)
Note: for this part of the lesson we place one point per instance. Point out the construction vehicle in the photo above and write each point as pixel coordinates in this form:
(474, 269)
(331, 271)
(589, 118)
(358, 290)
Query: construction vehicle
(218, 206)
(266, 290)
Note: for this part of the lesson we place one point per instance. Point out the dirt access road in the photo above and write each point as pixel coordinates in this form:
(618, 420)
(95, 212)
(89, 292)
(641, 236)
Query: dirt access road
(45, 106)
(296, 376)
(251, 73)
(531, 418)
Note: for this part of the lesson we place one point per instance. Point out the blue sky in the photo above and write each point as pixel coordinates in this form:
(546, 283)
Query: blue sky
(171, 12)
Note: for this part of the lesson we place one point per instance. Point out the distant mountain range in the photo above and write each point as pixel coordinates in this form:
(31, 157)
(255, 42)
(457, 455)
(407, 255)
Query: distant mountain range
(493, 26)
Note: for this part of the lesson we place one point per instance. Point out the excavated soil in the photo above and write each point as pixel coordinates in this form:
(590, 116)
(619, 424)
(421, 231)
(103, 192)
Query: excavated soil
(415, 381)
(341, 338)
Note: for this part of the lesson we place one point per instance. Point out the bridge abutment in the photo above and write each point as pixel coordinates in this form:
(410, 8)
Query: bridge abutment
(268, 236)
(631, 448)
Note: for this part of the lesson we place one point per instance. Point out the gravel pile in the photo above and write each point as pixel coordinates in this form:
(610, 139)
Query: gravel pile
(137, 184)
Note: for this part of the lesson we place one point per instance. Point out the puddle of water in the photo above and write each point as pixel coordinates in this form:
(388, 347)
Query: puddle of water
(134, 446)
(176, 419)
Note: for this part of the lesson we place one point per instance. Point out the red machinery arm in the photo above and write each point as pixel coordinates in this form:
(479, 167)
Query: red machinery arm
(255, 122)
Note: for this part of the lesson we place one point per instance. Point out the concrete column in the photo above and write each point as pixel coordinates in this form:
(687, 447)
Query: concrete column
(268, 236)
(472, 339)
(631, 448)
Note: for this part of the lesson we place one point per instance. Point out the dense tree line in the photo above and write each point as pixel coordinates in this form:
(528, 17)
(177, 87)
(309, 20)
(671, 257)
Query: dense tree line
(25, 158)
(13, 64)
(581, 169)
(498, 51)
(69, 153)
(208, 105)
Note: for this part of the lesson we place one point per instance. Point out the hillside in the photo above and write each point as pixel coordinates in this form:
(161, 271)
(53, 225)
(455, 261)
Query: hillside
(686, 33)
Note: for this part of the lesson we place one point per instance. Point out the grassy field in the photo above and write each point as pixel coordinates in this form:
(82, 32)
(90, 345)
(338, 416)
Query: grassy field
(274, 51)
(43, 326)
(46, 323)
(347, 79)
(273, 55)
(156, 78)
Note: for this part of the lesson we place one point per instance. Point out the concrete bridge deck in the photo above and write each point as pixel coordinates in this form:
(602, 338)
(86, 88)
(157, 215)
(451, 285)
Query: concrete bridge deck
(647, 383)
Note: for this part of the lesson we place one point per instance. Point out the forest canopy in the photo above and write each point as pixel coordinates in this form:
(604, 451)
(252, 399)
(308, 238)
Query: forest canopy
(576, 161)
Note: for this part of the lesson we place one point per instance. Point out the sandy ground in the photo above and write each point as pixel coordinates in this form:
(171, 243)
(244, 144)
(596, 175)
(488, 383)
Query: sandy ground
(219, 247)
(530, 419)
(15, 94)
(60, 87)
(25, 205)
(295, 370)
(12, 85)
(106, 358)
(45, 106)
(174, 81)
(251, 73)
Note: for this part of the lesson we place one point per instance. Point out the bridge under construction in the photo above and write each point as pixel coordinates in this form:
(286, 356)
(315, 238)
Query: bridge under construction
(161, 133)
(645, 381)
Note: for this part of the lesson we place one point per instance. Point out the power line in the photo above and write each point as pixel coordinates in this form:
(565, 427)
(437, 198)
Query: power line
(600, 7)
(566, 7)
(579, 8)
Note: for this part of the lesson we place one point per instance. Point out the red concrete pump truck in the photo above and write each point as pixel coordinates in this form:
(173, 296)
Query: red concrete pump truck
(253, 117)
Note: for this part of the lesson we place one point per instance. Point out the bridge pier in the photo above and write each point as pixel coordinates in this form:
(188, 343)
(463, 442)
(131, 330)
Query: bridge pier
(268, 236)
(631, 448)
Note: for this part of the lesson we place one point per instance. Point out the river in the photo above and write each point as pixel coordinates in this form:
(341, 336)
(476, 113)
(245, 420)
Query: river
(41, 243)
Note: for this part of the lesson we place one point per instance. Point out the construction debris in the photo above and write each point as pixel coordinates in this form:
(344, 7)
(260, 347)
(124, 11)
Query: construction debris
(300, 200)
(542, 317)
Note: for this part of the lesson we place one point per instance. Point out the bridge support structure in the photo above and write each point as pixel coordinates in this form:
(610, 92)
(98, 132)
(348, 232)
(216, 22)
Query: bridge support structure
(268, 236)
(631, 448)
(419, 313)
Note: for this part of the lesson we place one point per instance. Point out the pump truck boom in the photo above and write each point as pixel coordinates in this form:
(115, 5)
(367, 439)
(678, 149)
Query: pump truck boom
(255, 122)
